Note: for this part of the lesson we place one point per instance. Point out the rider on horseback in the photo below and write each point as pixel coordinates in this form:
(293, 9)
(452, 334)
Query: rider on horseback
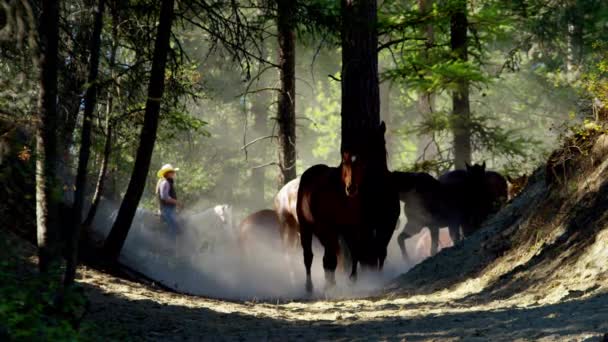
(167, 198)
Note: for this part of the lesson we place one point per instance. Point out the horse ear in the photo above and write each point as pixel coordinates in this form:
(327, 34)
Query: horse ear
(382, 128)
(467, 166)
(483, 165)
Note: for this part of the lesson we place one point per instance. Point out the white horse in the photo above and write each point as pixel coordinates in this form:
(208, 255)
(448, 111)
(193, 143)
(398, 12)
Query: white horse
(285, 204)
(207, 229)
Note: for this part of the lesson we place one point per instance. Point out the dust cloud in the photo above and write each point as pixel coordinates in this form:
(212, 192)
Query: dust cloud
(209, 261)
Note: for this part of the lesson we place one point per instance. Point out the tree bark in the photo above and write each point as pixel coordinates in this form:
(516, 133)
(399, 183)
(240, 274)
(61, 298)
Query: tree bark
(107, 149)
(574, 37)
(386, 115)
(461, 110)
(361, 127)
(72, 78)
(360, 92)
(156, 87)
(90, 101)
(286, 116)
(258, 175)
(101, 178)
(46, 139)
(426, 99)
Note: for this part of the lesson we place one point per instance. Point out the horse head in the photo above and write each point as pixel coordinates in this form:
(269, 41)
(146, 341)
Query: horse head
(361, 159)
(352, 170)
(516, 185)
(223, 211)
(476, 172)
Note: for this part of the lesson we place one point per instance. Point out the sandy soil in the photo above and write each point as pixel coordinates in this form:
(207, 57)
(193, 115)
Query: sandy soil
(537, 271)
(144, 313)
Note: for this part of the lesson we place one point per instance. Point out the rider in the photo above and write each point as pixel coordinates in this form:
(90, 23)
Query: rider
(167, 198)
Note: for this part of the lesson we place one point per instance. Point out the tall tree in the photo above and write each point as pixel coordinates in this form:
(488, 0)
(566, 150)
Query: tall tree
(461, 109)
(574, 22)
(107, 149)
(360, 92)
(156, 87)
(46, 139)
(90, 102)
(426, 99)
(286, 116)
(360, 128)
(260, 124)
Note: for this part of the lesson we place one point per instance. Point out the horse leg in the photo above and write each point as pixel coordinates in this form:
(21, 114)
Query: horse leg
(383, 242)
(401, 241)
(306, 241)
(434, 239)
(454, 232)
(330, 262)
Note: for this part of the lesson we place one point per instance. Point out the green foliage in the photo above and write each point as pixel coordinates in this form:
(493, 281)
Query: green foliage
(29, 310)
(325, 121)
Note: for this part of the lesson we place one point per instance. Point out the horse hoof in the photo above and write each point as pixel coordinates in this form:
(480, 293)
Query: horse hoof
(309, 287)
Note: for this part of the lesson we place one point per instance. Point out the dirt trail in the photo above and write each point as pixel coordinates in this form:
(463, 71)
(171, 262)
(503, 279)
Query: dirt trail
(537, 271)
(145, 313)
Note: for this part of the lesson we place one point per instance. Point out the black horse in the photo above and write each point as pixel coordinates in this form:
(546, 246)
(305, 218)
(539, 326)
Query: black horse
(459, 199)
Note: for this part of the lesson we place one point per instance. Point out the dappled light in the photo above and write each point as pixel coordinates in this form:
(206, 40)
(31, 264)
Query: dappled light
(316, 170)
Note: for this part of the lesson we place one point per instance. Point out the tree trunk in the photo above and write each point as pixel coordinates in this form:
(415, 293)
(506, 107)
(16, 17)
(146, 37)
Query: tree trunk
(103, 170)
(258, 175)
(107, 149)
(360, 128)
(156, 88)
(90, 101)
(460, 97)
(360, 93)
(574, 37)
(46, 139)
(286, 116)
(72, 79)
(386, 115)
(426, 100)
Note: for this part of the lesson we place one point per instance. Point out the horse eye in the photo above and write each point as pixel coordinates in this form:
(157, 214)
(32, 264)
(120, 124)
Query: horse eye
(353, 159)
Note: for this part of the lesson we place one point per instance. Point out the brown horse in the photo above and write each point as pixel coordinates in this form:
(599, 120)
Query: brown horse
(261, 226)
(516, 185)
(285, 205)
(353, 201)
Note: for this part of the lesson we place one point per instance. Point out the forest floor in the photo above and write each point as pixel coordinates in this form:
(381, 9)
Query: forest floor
(125, 310)
(538, 270)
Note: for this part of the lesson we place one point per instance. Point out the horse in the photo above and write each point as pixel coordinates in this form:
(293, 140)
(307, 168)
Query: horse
(423, 245)
(516, 185)
(205, 230)
(425, 205)
(285, 205)
(483, 193)
(458, 199)
(260, 229)
(346, 201)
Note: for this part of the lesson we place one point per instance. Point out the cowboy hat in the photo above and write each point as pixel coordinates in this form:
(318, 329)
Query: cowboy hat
(166, 168)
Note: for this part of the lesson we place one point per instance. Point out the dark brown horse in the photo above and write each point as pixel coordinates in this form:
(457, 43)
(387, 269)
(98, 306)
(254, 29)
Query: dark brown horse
(354, 201)
(477, 193)
(425, 205)
(459, 199)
